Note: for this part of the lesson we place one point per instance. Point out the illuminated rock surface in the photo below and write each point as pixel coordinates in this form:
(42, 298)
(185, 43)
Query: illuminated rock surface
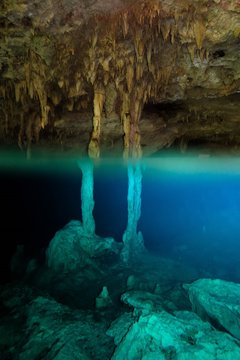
(84, 70)
(57, 317)
(217, 301)
(143, 301)
(180, 336)
(133, 243)
(94, 298)
(72, 248)
(52, 330)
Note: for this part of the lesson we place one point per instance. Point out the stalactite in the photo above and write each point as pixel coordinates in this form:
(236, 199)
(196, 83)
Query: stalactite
(42, 96)
(165, 29)
(172, 35)
(129, 77)
(139, 71)
(94, 144)
(130, 116)
(35, 75)
(125, 119)
(125, 25)
(17, 92)
(110, 99)
(149, 57)
(21, 132)
(61, 83)
(132, 47)
(36, 127)
(28, 133)
(56, 97)
(191, 50)
(87, 199)
(134, 136)
(199, 32)
(70, 104)
(76, 89)
(133, 244)
(106, 78)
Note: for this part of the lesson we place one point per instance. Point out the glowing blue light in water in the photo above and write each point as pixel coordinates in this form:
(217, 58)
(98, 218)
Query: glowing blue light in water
(191, 209)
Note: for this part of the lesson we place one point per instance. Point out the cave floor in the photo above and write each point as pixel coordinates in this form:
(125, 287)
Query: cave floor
(53, 316)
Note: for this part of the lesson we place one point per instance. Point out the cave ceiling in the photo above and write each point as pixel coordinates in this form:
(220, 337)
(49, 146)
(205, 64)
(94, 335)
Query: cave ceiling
(119, 76)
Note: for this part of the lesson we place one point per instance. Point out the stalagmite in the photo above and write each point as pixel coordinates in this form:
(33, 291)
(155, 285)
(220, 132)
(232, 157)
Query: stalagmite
(133, 240)
(88, 221)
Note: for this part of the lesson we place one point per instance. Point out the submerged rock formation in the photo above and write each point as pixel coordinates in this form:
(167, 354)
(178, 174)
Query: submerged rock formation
(87, 201)
(74, 246)
(133, 243)
(106, 60)
(217, 301)
(103, 300)
(153, 320)
(160, 335)
(72, 249)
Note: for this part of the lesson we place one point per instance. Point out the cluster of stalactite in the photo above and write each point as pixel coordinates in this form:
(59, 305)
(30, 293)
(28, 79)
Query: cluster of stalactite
(115, 63)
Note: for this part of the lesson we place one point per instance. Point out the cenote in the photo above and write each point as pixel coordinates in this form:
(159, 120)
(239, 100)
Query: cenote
(120, 180)
(116, 259)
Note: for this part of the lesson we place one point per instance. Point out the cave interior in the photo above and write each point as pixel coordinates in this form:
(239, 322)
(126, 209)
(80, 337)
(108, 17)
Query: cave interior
(136, 257)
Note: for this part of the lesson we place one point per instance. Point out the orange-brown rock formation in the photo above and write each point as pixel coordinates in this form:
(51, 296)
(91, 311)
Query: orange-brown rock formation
(109, 59)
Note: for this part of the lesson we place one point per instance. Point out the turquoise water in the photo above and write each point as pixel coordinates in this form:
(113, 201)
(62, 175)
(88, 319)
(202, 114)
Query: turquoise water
(190, 206)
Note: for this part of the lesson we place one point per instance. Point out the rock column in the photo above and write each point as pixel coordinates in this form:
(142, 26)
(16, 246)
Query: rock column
(132, 239)
(87, 197)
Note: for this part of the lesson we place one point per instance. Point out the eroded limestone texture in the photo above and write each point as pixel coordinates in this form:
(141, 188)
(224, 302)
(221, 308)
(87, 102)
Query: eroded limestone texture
(160, 335)
(218, 301)
(133, 243)
(87, 200)
(75, 246)
(110, 59)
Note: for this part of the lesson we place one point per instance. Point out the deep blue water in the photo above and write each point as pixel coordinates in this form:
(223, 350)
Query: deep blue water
(190, 211)
(190, 208)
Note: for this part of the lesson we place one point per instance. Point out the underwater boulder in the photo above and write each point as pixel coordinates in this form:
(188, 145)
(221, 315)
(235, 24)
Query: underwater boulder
(120, 326)
(72, 248)
(64, 252)
(182, 336)
(96, 246)
(55, 331)
(142, 300)
(217, 301)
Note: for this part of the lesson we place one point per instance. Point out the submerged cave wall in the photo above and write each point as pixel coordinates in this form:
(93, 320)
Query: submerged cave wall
(110, 58)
